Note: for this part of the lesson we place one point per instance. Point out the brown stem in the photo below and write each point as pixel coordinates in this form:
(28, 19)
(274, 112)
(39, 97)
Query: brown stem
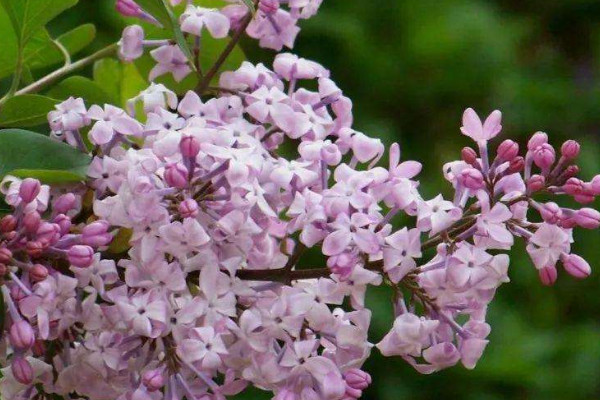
(203, 85)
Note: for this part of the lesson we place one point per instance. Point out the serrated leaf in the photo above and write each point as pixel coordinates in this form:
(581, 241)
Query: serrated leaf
(25, 150)
(78, 86)
(26, 110)
(163, 13)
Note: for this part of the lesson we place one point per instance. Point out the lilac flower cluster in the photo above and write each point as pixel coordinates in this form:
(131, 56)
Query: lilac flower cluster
(178, 269)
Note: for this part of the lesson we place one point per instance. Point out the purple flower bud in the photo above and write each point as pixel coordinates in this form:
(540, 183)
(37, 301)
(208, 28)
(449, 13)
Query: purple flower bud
(544, 156)
(29, 189)
(64, 203)
(469, 156)
(472, 178)
(536, 183)
(64, 222)
(188, 208)
(8, 224)
(588, 218)
(508, 150)
(22, 336)
(537, 140)
(22, 370)
(31, 221)
(357, 379)
(176, 175)
(570, 172)
(128, 8)
(268, 6)
(48, 233)
(551, 212)
(153, 380)
(516, 165)
(595, 183)
(548, 275)
(5, 255)
(131, 45)
(80, 256)
(189, 146)
(570, 149)
(38, 273)
(576, 266)
(34, 248)
(573, 186)
(96, 234)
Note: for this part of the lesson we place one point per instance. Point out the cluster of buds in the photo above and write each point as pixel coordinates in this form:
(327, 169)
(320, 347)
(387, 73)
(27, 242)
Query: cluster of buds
(35, 252)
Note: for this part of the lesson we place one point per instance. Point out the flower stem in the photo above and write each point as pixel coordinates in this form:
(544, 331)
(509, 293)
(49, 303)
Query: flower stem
(67, 69)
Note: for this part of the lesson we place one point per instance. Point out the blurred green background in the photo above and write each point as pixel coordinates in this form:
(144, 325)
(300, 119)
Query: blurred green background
(411, 68)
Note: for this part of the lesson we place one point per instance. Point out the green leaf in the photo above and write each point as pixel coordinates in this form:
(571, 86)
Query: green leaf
(250, 5)
(50, 176)
(40, 51)
(78, 86)
(28, 16)
(163, 13)
(22, 150)
(26, 110)
(108, 73)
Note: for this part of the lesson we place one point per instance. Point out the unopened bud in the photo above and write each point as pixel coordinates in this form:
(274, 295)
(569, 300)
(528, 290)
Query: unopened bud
(189, 146)
(96, 234)
(64, 223)
(34, 248)
(5, 255)
(551, 212)
(469, 156)
(38, 273)
(48, 233)
(570, 149)
(153, 380)
(8, 223)
(268, 6)
(508, 150)
(64, 203)
(188, 208)
(22, 371)
(31, 221)
(548, 275)
(81, 256)
(516, 165)
(471, 178)
(22, 336)
(595, 184)
(573, 186)
(537, 140)
(128, 8)
(587, 218)
(29, 189)
(544, 156)
(576, 266)
(357, 379)
(536, 183)
(176, 175)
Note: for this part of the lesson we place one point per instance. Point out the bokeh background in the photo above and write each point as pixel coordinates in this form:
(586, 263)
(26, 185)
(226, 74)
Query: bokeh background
(411, 68)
